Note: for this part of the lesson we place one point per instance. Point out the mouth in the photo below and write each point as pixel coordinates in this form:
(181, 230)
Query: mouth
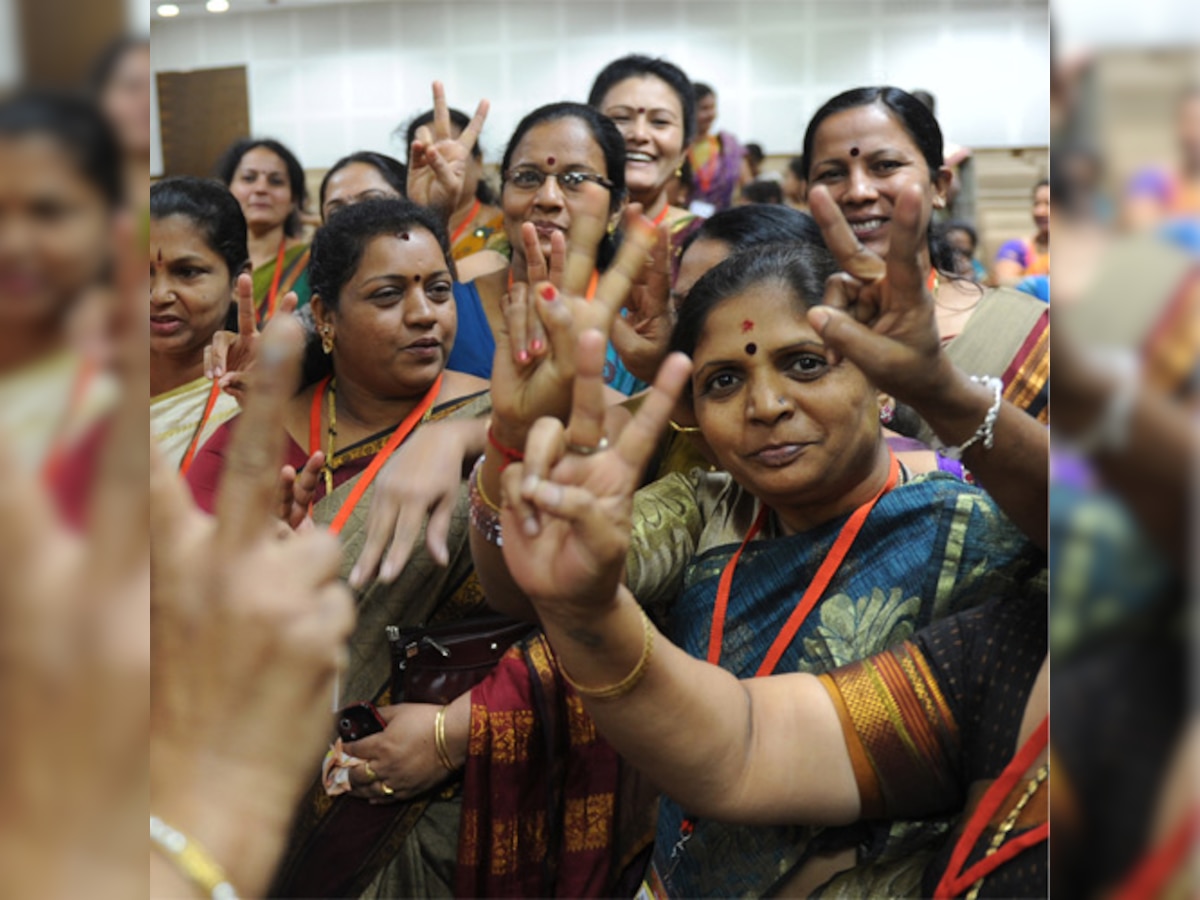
(776, 456)
(868, 228)
(545, 229)
(162, 325)
(425, 348)
(636, 156)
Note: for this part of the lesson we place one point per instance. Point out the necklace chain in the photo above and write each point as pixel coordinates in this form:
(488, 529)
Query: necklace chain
(1010, 821)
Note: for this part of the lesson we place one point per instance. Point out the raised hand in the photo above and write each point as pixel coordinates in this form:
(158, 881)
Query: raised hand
(297, 490)
(566, 509)
(437, 161)
(643, 333)
(230, 356)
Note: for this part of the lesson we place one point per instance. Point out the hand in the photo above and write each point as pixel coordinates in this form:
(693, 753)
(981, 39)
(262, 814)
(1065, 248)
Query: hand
(296, 490)
(878, 313)
(437, 162)
(567, 517)
(230, 356)
(642, 335)
(248, 634)
(526, 334)
(400, 503)
(402, 756)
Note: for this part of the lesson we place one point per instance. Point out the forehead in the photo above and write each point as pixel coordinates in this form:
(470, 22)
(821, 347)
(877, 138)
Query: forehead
(872, 125)
(568, 140)
(645, 91)
(179, 235)
(778, 320)
(354, 179)
(37, 163)
(702, 255)
(390, 254)
(262, 159)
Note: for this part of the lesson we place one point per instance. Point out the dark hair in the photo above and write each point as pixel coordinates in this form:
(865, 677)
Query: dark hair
(764, 191)
(755, 152)
(638, 66)
(702, 90)
(211, 209)
(926, 99)
(227, 166)
(339, 244)
(741, 227)
(958, 225)
(1042, 182)
(796, 167)
(391, 170)
(106, 64)
(458, 118)
(78, 127)
(800, 267)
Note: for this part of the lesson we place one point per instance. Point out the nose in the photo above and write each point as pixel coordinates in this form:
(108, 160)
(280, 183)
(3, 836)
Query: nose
(860, 186)
(639, 129)
(768, 400)
(159, 291)
(419, 310)
(549, 195)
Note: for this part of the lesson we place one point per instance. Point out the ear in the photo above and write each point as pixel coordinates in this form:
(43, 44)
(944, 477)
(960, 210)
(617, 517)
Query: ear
(615, 219)
(941, 186)
(322, 314)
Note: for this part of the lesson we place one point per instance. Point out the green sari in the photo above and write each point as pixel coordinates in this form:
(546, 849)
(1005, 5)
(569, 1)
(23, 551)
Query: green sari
(294, 277)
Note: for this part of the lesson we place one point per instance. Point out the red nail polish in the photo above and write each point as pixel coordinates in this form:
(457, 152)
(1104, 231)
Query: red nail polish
(548, 292)
(523, 356)
(535, 346)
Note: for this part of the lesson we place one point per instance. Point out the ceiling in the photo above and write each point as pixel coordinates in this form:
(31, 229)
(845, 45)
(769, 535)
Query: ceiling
(196, 7)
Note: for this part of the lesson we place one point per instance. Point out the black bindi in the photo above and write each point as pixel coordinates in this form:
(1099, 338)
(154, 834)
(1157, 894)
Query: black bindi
(854, 151)
(417, 279)
(751, 349)
(404, 235)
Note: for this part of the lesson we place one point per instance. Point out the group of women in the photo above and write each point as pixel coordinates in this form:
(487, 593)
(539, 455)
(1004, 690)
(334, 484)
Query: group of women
(494, 441)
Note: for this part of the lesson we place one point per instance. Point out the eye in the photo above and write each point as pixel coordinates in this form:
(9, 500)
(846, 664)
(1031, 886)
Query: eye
(619, 117)
(663, 123)
(827, 175)
(387, 294)
(526, 178)
(440, 291)
(888, 165)
(806, 366)
(720, 384)
(572, 180)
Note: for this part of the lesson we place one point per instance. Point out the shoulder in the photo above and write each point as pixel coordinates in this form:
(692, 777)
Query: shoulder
(477, 265)
(456, 385)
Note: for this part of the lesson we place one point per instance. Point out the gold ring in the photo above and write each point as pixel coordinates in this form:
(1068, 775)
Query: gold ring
(387, 791)
(369, 772)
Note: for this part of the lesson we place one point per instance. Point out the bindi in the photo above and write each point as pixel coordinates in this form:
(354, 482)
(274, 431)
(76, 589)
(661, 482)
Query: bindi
(404, 235)
(417, 279)
(751, 349)
(550, 160)
(747, 325)
(854, 151)
(160, 256)
(641, 110)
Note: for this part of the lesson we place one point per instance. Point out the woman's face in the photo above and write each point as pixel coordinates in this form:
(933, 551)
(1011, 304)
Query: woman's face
(190, 287)
(354, 183)
(395, 322)
(795, 431)
(702, 254)
(260, 184)
(865, 157)
(558, 146)
(650, 117)
(706, 113)
(126, 101)
(54, 231)
(1041, 209)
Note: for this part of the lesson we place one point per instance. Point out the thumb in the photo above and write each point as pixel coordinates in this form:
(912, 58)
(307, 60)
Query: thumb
(847, 338)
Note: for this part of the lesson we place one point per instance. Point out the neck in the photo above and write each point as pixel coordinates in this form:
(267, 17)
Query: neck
(800, 518)
(168, 371)
(20, 346)
(461, 214)
(652, 203)
(361, 414)
(263, 244)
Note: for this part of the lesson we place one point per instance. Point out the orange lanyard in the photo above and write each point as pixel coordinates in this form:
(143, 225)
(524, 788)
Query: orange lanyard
(658, 220)
(57, 453)
(364, 481)
(954, 881)
(213, 393)
(458, 232)
(833, 560)
(271, 294)
(1158, 867)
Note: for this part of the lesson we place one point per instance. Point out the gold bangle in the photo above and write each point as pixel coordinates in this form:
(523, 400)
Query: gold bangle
(439, 739)
(479, 487)
(193, 862)
(630, 681)
(683, 429)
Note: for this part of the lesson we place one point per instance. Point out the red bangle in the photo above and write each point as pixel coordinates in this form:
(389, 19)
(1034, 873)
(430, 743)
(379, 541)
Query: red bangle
(510, 455)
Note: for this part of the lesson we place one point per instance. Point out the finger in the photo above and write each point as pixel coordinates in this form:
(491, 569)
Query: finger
(558, 258)
(442, 169)
(471, 133)
(523, 513)
(614, 286)
(849, 251)
(558, 322)
(441, 113)
(586, 427)
(856, 342)
(908, 240)
(252, 464)
(437, 531)
(640, 438)
(535, 332)
(516, 316)
(658, 273)
(404, 538)
(286, 493)
(544, 447)
(220, 344)
(535, 263)
(586, 233)
(247, 315)
(842, 292)
(307, 480)
(289, 303)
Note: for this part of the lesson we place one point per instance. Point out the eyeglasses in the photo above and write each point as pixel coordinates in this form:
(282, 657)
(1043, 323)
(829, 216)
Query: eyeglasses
(529, 178)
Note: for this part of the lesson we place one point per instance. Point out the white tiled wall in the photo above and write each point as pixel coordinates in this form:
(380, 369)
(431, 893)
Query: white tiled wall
(331, 80)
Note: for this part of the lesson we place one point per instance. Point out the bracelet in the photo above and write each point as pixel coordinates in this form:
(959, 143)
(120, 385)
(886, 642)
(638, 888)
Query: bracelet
(485, 515)
(986, 432)
(683, 429)
(192, 860)
(508, 454)
(439, 739)
(630, 681)
(1110, 431)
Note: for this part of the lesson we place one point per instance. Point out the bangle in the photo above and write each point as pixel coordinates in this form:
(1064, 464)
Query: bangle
(439, 739)
(630, 681)
(683, 429)
(192, 860)
(1110, 431)
(485, 515)
(508, 454)
(986, 432)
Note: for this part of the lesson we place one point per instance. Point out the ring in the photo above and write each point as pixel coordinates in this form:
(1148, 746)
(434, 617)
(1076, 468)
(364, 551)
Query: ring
(369, 772)
(583, 450)
(387, 791)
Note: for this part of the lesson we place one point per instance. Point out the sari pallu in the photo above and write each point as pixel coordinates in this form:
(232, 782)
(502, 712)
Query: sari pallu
(930, 548)
(343, 846)
(293, 278)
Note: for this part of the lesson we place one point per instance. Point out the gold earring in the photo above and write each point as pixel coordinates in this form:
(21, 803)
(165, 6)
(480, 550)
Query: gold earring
(679, 171)
(327, 339)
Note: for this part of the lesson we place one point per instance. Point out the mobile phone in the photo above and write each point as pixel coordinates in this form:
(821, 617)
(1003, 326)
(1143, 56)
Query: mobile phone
(359, 720)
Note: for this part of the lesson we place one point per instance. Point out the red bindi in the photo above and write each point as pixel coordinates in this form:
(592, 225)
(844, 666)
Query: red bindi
(160, 256)
(641, 109)
(751, 349)
(549, 160)
(404, 235)
(747, 325)
(854, 151)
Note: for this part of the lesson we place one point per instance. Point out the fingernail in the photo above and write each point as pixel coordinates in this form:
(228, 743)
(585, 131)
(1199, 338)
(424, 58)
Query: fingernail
(355, 577)
(531, 527)
(550, 494)
(388, 571)
(536, 346)
(528, 486)
(819, 317)
(548, 292)
(523, 356)
(218, 372)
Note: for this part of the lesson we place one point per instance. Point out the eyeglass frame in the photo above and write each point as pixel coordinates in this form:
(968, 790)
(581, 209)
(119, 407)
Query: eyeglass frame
(582, 175)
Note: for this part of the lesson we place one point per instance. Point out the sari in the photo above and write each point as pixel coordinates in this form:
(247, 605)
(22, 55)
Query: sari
(479, 237)
(176, 414)
(715, 182)
(294, 277)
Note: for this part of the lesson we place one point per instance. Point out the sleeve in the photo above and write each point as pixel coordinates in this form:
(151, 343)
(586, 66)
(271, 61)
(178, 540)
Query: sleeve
(667, 522)
(1014, 251)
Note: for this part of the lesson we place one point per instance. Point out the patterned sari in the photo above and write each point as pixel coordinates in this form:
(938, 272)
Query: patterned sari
(293, 278)
(175, 415)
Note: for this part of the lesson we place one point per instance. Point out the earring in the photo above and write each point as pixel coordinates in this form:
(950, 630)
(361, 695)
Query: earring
(327, 339)
(887, 413)
(679, 171)
(938, 203)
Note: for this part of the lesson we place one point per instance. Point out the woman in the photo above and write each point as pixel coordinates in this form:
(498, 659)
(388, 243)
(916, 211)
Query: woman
(268, 182)
(475, 224)
(653, 105)
(365, 175)
(799, 437)
(384, 310)
(121, 81)
(718, 165)
(197, 257)
(866, 146)
(1021, 258)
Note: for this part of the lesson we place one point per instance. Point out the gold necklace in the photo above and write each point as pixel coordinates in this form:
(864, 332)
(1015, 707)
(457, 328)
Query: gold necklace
(331, 436)
(1010, 821)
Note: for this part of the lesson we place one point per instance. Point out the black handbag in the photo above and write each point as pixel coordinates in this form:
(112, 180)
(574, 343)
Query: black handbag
(437, 663)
